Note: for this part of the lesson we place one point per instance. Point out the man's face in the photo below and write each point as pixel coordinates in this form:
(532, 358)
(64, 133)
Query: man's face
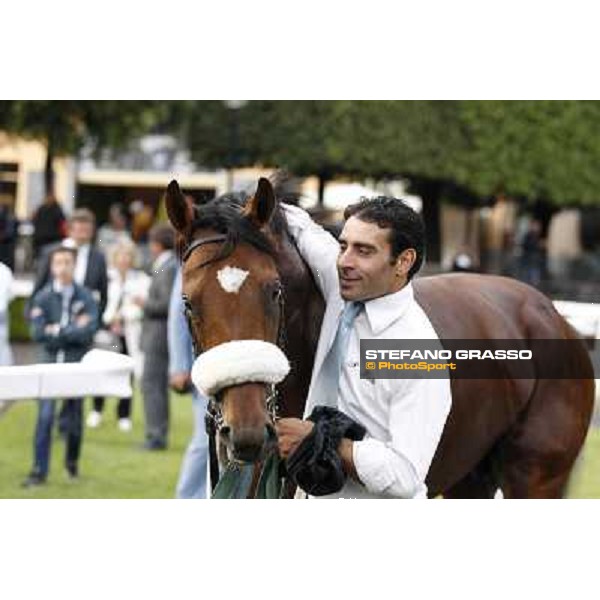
(365, 266)
(81, 232)
(63, 267)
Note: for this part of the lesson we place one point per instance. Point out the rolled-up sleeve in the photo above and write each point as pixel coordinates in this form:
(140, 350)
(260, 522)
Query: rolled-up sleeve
(398, 467)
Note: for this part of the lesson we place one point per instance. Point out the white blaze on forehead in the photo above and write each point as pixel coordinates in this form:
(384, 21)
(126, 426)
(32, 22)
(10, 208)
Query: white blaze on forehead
(232, 278)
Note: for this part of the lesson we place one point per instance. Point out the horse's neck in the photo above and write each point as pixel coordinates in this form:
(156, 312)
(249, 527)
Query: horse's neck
(303, 313)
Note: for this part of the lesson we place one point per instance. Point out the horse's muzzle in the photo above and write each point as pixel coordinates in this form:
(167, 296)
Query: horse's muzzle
(247, 444)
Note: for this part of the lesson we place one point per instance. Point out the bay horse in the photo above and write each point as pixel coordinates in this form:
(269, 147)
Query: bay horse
(518, 435)
(277, 302)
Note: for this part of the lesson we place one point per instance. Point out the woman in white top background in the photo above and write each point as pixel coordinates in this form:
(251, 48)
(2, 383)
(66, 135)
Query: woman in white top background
(6, 281)
(127, 290)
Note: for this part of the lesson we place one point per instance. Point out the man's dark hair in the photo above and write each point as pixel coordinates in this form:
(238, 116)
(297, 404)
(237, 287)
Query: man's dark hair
(164, 235)
(83, 215)
(407, 227)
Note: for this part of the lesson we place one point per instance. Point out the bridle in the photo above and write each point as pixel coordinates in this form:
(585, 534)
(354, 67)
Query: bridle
(214, 417)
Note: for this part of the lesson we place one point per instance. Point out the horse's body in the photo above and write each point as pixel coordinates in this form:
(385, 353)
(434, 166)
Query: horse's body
(520, 435)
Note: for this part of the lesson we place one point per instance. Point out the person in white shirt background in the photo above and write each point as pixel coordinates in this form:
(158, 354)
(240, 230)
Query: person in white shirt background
(115, 231)
(380, 249)
(127, 291)
(6, 281)
(6, 359)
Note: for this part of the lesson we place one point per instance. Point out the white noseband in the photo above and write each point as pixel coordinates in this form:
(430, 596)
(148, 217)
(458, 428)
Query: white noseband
(233, 363)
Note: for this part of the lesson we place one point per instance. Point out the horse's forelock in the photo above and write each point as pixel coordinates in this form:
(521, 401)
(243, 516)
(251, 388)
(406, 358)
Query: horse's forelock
(224, 215)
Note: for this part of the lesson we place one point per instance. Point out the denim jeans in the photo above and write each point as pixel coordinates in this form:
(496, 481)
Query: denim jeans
(71, 412)
(193, 474)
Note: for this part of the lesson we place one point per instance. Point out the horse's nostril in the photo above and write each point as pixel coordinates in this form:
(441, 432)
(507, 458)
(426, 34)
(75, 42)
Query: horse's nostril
(247, 444)
(225, 431)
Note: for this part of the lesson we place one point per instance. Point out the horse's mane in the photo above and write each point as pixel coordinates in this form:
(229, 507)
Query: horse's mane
(223, 214)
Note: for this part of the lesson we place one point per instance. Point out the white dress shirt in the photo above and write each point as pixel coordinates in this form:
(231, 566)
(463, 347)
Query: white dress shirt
(66, 293)
(404, 418)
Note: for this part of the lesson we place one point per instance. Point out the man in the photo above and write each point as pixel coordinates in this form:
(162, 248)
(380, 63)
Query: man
(64, 318)
(192, 477)
(90, 269)
(154, 344)
(368, 276)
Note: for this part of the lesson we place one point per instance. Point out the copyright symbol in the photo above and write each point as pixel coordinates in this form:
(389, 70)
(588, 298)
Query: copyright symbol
(370, 365)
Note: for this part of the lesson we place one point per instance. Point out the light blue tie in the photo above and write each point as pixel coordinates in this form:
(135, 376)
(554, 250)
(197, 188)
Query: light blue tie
(326, 388)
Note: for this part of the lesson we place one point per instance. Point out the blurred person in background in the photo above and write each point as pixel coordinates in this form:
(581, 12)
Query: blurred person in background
(8, 237)
(142, 218)
(155, 376)
(90, 266)
(127, 289)
(6, 281)
(90, 269)
(532, 254)
(192, 483)
(49, 226)
(116, 230)
(64, 318)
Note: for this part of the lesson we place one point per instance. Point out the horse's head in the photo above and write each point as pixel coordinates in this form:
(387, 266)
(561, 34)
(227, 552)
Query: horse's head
(234, 302)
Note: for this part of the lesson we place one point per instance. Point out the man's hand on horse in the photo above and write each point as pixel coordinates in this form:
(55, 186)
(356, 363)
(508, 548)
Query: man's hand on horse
(290, 433)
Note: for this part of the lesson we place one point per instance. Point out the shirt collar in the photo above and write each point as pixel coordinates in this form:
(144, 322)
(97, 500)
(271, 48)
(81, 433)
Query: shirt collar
(383, 311)
(70, 243)
(59, 288)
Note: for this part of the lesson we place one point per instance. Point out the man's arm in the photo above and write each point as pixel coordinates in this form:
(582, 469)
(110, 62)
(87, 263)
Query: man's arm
(318, 248)
(42, 330)
(180, 340)
(82, 330)
(399, 467)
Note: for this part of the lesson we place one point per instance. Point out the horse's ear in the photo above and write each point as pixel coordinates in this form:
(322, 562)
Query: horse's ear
(261, 206)
(179, 208)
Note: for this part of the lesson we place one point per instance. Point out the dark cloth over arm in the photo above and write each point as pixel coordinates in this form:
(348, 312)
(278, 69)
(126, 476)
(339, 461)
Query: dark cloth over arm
(316, 466)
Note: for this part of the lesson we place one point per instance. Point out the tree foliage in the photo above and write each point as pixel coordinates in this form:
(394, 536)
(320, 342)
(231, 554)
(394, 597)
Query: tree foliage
(537, 149)
(65, 126)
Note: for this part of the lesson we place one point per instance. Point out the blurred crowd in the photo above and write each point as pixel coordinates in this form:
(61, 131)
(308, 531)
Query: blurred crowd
(114, 288)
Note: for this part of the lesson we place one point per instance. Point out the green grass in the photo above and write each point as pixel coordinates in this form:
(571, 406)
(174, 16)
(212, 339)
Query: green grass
(585, 481)
(112, 463)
